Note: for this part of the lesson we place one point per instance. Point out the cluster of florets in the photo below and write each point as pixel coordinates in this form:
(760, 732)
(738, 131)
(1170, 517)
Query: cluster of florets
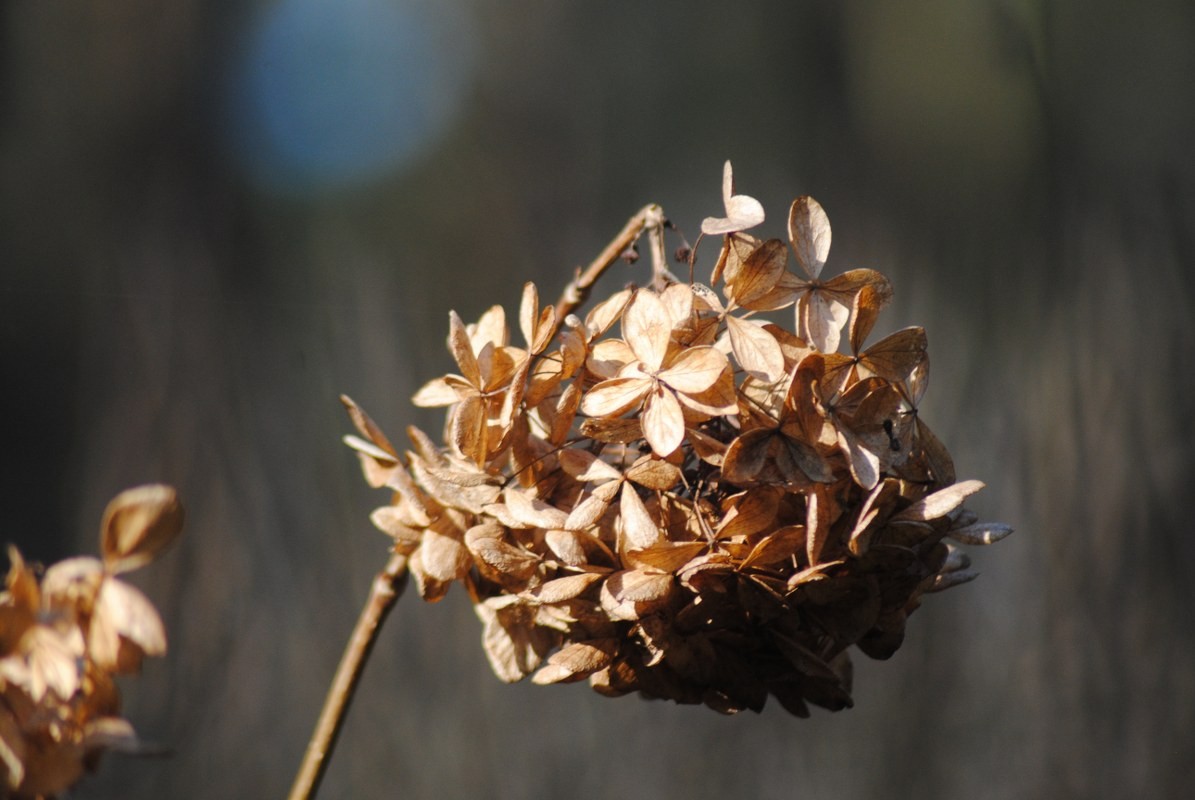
(676, 497)
(65, 637)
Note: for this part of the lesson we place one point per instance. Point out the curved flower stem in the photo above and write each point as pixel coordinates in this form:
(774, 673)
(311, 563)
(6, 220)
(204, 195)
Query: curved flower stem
(649, 218)
(387, 587)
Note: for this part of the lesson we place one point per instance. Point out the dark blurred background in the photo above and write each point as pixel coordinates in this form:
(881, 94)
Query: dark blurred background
(217, 216)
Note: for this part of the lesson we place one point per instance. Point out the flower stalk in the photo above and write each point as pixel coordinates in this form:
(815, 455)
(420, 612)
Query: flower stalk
(387, 587)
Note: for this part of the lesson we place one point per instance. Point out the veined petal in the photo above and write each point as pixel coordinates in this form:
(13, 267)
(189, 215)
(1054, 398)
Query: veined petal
(615, 396)
(535, 323)
(638, 530)
(893, 357)
(663, 421)
(863, 463)
(760, 272)
(870, 300)
(696, 369)
(462, 349)
(603, 316)
(585, 466)
(647, 328)
(718, 399)
(809, 233)
(439, 392)
(756, 350)
(742, 212)
(533, 512)
(820, 319)
(467, 428)
(489, 329)
(678, 302)
(941, 502)
(609, 356)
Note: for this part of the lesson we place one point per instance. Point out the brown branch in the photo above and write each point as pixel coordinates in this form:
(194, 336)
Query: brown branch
(650, 218)
(387, 587)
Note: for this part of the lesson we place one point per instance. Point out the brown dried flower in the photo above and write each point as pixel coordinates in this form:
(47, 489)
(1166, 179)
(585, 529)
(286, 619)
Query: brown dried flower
(711, 508)
(64, 638)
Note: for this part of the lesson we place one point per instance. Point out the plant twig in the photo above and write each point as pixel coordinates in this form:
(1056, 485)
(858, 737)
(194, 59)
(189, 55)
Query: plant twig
(650, 218)
(387, 587)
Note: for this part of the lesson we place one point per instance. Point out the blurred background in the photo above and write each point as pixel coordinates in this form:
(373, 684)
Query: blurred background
(216, 217)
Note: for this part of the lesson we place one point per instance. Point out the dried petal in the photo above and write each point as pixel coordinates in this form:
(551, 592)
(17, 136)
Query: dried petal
(611, 431)
(779, 545)
(585, 466)
(948, 580)
(747, 455)
(894, 357)
(695, 369)
(940, 503)
(756, 350)
(533, 513)
(514, 646)
(630, 594)
(869, 301)
(665, 556)
(443, 558)
(568, 546)
(980, 533)
(755, 511)
(536, 326)
(559, 590)
(742, 212)
(589, 510)
(139, 524)
(663, 421)
(462, 349)
(638, 530)
(577, 661)
(390, 521)
(647, 328)
(436, 393)
(615, 396)
(122, 612)
(820, 319)
(759, 274)
(809, 233)
(609, 356)
(366, 426)
(653, 473)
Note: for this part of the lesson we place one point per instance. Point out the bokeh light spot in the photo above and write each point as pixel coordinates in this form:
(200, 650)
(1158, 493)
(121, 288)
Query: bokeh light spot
(330, 94)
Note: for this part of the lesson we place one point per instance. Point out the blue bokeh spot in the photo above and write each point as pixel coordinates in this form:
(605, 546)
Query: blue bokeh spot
(336, 93)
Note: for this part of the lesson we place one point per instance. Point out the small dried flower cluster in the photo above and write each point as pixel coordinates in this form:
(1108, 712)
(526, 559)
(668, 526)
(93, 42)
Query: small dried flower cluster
(65, 637)
(708, 507)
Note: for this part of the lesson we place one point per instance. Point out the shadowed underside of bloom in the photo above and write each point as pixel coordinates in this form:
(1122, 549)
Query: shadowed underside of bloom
(709, 507)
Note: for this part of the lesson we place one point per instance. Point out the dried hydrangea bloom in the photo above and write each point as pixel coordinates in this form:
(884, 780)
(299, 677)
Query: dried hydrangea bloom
(63, 638)
(708, 507)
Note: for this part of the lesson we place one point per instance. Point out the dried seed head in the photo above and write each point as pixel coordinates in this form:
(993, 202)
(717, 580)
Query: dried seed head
(64, 638)
(672, 498)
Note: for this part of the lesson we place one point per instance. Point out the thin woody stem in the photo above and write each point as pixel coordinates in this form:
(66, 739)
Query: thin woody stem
(384, 593)
(649, 218)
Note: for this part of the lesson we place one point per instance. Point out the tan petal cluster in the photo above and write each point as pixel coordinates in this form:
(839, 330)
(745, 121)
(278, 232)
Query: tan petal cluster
(65, 637)
(708, 507)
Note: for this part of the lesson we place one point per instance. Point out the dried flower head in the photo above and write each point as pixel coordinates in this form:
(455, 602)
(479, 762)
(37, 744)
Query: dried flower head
(674, 496)
(64, 637)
